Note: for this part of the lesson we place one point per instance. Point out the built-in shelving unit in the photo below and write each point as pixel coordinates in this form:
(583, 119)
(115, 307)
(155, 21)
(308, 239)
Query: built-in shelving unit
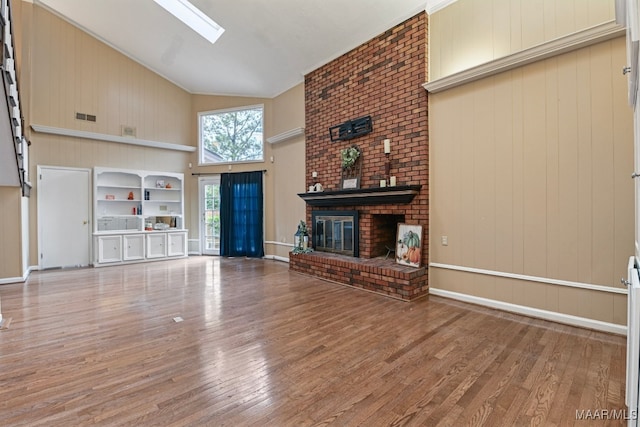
(138, 216)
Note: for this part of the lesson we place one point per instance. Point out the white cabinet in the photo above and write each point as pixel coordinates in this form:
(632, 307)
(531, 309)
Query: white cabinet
(109, 249)
(156, 245)
(138, 215)
(176, 244)
(133, 247)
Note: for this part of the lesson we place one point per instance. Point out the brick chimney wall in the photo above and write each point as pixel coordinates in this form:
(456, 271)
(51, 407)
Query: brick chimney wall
(383, 79)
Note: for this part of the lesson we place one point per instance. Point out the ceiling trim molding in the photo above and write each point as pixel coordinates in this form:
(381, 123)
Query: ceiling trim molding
(285, 135)
(111, 138)
(577, 40)
(435, 5)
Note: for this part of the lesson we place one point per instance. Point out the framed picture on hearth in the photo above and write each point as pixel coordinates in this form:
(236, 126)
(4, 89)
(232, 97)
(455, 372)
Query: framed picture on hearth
(409, 245)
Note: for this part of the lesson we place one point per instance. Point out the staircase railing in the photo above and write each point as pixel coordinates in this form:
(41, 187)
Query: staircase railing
(12, 95)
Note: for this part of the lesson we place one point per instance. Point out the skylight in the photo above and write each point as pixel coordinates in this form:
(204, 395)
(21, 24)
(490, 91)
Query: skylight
(193, 17)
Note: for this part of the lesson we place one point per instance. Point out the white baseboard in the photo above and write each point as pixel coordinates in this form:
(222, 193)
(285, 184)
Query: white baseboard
(553, 316)
(8, 280)
(193, 247)
(276, 258)
(22, 279)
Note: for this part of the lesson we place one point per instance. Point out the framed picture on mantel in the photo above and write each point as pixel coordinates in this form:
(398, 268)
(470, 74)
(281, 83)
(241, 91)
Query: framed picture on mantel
(348, 183)
(409, 245)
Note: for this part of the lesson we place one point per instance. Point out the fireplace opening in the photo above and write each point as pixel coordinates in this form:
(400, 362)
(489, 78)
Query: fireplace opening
(335, 231)
(384, 233)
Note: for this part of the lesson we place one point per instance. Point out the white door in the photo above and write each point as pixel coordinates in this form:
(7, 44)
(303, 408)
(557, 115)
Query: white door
(64, 233)
(209, 189)
(633, 74)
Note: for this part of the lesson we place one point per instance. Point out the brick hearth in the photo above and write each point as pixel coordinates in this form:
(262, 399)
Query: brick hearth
(378, 275)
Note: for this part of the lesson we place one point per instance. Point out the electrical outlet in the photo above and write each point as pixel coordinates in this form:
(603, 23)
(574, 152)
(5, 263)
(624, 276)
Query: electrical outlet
(445, 240)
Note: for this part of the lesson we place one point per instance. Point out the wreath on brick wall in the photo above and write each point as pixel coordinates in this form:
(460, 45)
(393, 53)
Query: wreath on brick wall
(351, 163)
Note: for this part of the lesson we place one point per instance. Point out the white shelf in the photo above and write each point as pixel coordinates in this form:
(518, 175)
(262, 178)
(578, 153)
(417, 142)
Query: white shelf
(119, 186)
(118, 200)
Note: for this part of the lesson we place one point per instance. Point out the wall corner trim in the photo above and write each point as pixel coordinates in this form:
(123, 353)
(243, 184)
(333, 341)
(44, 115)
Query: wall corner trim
(111, 138)
(590, 36)
(292, 133)
(534, 312)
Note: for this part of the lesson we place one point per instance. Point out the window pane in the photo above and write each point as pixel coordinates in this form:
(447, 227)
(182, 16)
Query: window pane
(231, 136)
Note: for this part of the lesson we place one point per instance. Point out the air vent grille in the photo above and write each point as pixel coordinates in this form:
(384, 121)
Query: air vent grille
(86, 117)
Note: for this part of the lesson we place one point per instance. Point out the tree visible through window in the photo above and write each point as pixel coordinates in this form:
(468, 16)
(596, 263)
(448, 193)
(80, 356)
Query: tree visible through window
(231, 135)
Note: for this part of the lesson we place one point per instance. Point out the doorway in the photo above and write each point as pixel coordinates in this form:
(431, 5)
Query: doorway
(64, 234)
(209, 190)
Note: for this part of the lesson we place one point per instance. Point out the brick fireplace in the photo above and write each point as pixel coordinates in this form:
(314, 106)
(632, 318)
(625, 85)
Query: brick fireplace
(382, 79)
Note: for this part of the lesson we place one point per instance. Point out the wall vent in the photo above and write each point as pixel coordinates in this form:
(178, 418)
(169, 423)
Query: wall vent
(85, 116)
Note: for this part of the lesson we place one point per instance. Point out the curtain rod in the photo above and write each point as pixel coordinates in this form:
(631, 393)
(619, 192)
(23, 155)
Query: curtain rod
(219, 173)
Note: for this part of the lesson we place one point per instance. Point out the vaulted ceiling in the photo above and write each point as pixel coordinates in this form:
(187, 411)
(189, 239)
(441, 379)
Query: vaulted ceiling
(267, 47)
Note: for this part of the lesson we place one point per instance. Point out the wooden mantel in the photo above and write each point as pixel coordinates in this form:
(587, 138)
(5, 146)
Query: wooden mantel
(401, 194)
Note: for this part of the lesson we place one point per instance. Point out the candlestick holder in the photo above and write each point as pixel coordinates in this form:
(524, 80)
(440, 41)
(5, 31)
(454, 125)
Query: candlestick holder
(387, 167)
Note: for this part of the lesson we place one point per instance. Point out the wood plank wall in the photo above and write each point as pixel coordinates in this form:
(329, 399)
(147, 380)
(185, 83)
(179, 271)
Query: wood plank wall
(531, 175)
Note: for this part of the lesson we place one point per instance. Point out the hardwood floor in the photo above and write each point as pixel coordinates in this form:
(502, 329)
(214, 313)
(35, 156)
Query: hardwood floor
(260, 345)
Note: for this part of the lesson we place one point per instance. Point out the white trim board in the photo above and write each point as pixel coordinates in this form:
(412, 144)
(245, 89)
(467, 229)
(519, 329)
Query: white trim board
(538, 279)
(276, 258)
(273, 242)
(286, 135)
(111, 138)
(22, 279)
(533, 312)
(435, 5)
(577, 40)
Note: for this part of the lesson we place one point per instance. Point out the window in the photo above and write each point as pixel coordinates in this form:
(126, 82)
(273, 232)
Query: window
(231, 136)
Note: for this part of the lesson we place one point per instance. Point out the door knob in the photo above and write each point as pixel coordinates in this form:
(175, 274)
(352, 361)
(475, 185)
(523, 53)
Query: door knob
(84, 222)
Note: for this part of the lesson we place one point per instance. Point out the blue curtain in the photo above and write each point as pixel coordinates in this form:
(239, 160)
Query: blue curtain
(241, 214)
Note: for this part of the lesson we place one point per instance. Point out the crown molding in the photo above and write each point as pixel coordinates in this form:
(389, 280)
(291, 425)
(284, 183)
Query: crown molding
(577, 40)
(286, 135)
(435, 5)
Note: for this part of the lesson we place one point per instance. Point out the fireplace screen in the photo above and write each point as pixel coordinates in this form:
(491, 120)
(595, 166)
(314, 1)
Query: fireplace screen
(335, 231)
